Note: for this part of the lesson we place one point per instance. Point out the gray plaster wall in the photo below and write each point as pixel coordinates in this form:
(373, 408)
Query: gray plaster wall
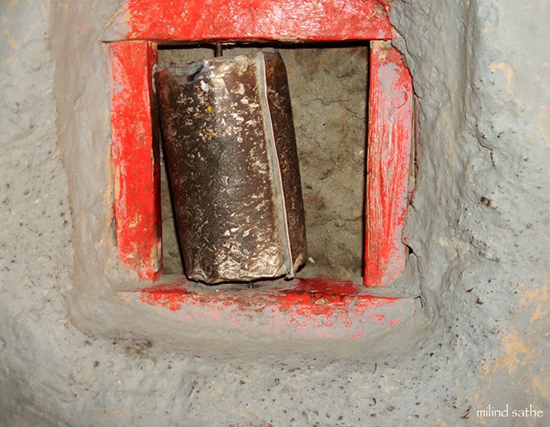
(72, 354)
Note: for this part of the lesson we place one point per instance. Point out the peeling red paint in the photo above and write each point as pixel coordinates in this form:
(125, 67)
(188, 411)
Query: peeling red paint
(135, 159)
(322, 308)
(394, 322)
(389, 151)
(286, 20)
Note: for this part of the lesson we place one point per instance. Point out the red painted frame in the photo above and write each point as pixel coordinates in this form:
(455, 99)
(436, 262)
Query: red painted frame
(135, 153)
(169, 21)
(139, 23)
(390, 134)
(309, 308)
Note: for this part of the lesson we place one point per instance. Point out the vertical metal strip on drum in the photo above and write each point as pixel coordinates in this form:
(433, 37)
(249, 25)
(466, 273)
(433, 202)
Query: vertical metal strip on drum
(274, 163)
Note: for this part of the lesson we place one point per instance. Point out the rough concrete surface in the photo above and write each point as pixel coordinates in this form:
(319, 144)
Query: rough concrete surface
(72, 354)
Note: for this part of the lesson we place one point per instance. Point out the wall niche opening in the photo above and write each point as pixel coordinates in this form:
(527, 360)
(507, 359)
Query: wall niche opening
(328, 88)
(312, 307)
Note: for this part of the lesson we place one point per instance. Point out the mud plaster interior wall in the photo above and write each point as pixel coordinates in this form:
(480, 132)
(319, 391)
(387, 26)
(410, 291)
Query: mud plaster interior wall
(71, 354)
(328, 88)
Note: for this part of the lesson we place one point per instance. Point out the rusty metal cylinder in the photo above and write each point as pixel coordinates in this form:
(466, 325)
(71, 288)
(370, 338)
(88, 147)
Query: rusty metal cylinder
(230, 149)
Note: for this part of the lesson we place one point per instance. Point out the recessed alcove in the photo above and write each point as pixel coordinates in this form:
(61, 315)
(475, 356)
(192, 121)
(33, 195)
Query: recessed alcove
(314, 307)
(328, 89)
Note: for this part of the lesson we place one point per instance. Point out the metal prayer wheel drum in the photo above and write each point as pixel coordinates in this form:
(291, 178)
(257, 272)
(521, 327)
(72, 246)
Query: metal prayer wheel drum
(233, 167)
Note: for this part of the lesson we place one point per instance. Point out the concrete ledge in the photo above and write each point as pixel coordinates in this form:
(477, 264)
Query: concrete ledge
(319, 308)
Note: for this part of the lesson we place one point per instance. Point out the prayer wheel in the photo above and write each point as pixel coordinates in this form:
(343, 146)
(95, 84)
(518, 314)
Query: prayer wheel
(232, 162)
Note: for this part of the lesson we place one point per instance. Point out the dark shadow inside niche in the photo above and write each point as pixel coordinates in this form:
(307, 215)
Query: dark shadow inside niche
(328, 87)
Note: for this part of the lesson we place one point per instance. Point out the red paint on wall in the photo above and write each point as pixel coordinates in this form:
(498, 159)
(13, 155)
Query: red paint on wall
(319, 296)
(196, 20)
(314, 308)
(135, 154)
(388, 162)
